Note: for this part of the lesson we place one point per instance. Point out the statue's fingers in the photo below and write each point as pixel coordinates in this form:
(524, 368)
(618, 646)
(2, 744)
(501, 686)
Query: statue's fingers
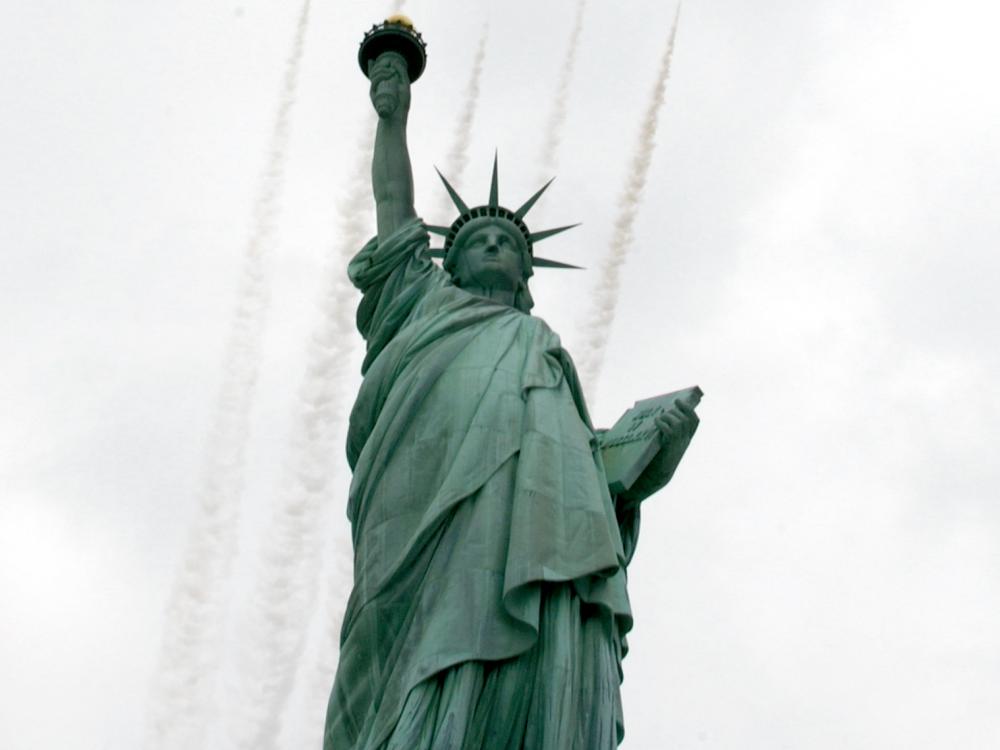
(691, 418)
(676, 419)
(666, 421)
(666, 429)
(670, 425)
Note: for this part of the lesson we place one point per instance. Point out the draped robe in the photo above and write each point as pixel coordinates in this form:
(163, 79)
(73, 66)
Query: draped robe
(489, 604)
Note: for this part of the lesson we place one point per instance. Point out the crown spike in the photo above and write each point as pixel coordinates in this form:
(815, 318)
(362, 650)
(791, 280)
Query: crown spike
(546, 233)
(435, 229)
(546, 263)
(494, 187)
(455, 197)
(523, 210)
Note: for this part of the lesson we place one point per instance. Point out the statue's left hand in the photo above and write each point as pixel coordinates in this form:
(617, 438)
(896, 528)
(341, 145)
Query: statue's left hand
(677, 426)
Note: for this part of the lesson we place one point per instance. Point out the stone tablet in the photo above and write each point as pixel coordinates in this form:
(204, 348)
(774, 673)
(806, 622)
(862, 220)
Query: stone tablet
(629, 446)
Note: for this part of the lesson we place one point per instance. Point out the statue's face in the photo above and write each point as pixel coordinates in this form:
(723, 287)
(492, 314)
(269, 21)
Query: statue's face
(489, 253)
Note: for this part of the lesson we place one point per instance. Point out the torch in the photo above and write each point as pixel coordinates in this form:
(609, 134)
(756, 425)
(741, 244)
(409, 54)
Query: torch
(395, 34)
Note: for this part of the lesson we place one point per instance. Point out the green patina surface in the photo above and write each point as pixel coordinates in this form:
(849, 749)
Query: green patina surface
(489, 607)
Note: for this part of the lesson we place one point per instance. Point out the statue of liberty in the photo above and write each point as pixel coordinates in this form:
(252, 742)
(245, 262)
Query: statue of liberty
(489, 607)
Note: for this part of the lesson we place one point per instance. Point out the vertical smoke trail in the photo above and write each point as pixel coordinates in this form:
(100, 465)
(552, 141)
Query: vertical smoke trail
(605, 299)
(458, 156)
(557, 116)
(182, 699)
(337, 337)
(284, 592)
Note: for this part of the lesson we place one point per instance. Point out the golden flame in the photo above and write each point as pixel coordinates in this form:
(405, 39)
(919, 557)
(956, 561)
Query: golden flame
(401, 20)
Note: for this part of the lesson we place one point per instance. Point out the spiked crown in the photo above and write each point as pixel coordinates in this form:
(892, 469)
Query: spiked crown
(494, 210)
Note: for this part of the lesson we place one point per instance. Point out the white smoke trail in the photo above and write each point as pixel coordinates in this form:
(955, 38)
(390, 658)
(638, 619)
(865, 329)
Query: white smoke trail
(183, 689)
(457, 158)
(557, 116)
(597, 324)
(330, 353)
(284, 593)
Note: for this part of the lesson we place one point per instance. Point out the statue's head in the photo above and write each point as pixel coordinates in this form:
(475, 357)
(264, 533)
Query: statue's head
(492, 244)
(491, 252)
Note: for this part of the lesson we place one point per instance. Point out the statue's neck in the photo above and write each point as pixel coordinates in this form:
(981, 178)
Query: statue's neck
(500, 295)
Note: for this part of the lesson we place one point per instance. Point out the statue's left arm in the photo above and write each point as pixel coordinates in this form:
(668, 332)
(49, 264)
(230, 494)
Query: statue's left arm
(677, 426)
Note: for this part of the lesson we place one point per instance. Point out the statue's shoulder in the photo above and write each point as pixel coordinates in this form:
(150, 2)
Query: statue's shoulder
(542, 328)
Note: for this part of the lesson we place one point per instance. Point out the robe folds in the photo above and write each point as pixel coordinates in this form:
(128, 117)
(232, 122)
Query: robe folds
(489, 605)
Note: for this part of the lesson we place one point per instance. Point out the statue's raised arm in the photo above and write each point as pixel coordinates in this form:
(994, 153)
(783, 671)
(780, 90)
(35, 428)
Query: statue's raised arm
(392, 176)
(393, 271)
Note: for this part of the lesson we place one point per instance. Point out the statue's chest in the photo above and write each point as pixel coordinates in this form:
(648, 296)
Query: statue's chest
(483, 386)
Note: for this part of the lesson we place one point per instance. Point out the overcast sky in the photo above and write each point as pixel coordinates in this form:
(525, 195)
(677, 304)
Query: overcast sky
(816, 248)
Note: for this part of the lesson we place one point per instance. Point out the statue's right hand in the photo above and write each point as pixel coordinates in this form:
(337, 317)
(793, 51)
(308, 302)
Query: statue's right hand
(390, 86)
